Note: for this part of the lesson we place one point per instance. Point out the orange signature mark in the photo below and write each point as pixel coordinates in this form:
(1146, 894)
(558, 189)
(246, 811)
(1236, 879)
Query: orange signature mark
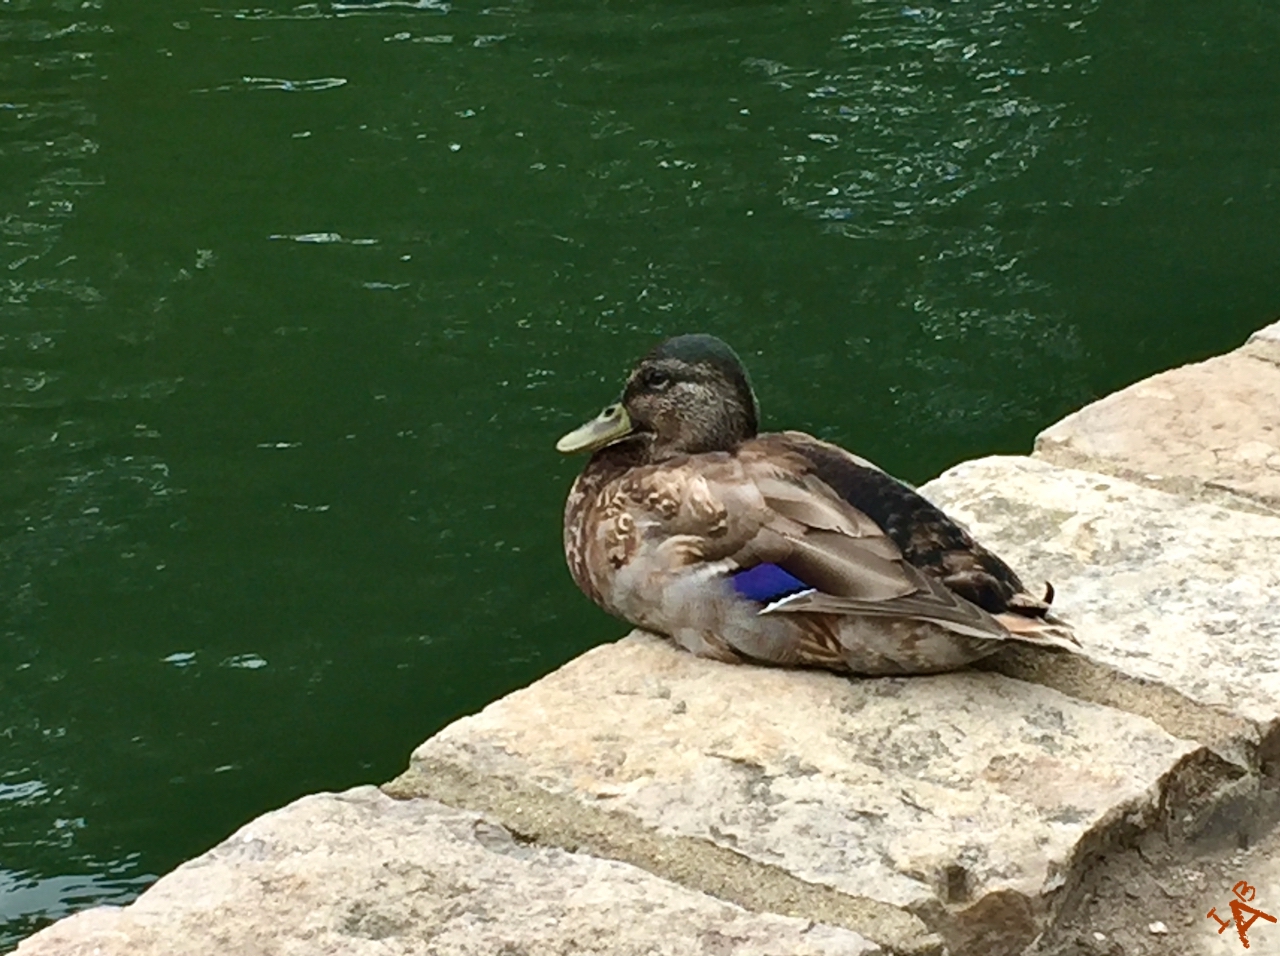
(1245, 895)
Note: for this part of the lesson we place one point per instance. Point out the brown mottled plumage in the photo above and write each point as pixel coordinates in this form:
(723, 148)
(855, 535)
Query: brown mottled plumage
(775, 548)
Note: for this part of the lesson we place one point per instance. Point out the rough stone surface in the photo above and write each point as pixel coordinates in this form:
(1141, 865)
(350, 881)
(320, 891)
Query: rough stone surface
(1181, 599)
(966, 799)
(1265, 343)
(558, 820)
(1211, 429)
(360, 873)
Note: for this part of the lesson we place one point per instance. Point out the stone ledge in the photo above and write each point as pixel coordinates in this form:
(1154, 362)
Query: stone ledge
(964, 801)
(1266, 342)
(1177, 604)
(360, 874)
(548, 819)
(1209, 430)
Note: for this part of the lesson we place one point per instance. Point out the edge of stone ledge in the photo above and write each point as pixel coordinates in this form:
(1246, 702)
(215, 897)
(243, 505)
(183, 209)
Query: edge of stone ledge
(1054, 444)
(1217, 796)
(1265, 343)
(1248, 740)
(1236, 740)
(358, 872)
(546, 819)
(1049, 449)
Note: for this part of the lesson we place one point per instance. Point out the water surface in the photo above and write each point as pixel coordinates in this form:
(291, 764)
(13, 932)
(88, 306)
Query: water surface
(295, 299)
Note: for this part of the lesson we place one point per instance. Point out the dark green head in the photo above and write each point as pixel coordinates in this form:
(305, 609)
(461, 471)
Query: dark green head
(688, 395)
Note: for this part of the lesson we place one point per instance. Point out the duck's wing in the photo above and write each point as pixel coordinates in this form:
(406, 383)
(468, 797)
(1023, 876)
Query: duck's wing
(831, 558)
(928, 539)
(838, 559)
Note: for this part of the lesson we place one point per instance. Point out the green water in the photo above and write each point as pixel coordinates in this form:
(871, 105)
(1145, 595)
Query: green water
(294, 301)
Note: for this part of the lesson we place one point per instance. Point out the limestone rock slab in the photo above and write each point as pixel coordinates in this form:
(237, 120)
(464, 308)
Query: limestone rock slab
(1265, 343)
(965, 799)
(360, 873)
(1179, 596)
(1212, 428)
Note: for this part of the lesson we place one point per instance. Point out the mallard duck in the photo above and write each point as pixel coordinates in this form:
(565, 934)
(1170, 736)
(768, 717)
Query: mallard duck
(775, 548)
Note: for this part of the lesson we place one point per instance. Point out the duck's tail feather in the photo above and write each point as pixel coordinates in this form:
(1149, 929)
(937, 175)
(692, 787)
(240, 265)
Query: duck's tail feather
(1046, 631)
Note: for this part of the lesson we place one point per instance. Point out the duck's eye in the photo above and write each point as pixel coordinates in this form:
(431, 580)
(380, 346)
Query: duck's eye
(655, 379)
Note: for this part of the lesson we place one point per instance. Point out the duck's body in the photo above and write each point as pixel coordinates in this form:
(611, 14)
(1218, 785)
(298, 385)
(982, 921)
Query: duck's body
(775, 548)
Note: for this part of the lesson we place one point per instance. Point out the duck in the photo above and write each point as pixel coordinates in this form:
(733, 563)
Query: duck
(775, 548)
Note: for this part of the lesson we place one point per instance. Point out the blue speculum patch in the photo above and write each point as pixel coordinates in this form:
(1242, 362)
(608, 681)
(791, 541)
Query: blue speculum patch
(767, 582)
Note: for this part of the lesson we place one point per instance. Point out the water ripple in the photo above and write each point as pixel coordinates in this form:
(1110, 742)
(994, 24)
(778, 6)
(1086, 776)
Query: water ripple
(320, 11)
(252, 83)
(926, 106)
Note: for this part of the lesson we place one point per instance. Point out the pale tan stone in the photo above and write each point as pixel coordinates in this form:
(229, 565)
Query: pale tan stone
(1211, 429)
(1172, 594)
(1269, 333)
(361, 874)
(966, 799)
(1265, 343)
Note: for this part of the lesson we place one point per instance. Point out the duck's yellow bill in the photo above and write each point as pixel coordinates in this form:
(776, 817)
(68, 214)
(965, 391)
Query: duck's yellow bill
(610, 425)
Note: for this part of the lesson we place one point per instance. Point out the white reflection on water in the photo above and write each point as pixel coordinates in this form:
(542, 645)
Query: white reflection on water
(252, 83)
(323, 238)
(316, 11)
(22, 791)
(27, 901)
(391, 5)
(292, 86)
(249, 662)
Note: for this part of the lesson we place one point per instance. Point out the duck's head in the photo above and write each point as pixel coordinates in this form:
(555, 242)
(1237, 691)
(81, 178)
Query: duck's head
(689, 395)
